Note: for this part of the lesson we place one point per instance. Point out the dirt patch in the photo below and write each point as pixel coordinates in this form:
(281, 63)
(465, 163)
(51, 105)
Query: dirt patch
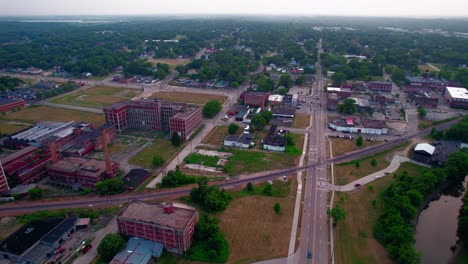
(172, 62)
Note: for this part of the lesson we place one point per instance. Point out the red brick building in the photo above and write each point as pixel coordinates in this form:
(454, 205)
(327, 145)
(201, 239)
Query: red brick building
(255, 99)
(167, 224)
(80, 173)
(26, 165)
(385, 87)
(7, 104)
(154, 115)
(4, 187)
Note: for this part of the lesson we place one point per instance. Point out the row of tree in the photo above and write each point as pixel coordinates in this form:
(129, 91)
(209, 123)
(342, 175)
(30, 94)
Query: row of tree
(9, 83)
(402, 200)
(456, 132)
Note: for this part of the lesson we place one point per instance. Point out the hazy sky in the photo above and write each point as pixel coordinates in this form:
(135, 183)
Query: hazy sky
(419, 8)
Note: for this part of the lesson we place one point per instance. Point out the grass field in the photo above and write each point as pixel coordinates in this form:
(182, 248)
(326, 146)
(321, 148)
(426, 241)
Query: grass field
(172, 62)
(345, 174)
(190, 98)
(117, 147)
(161, 147)
(245, 161)
(341, 146)
(251, 239)
(96, 96)
(43, 113)
(301, 120)
(10, 128)
(355, 242)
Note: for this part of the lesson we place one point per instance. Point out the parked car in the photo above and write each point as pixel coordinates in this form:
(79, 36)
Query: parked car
(309, 254)
(357, 185)
(86, 249)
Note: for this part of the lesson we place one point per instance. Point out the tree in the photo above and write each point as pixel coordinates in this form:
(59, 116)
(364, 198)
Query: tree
(258, 122)
(268, 115)
(337, 213)
(110, 186)
(300, 80)
(422, 112)
(282, 91)
(357, 164)
(268, 189)
(277, 208)
(339, 78)
(110, 245)
(175, 139)
(286, 81)
(347, 107)
(250, 187)
(373, 162)
(36, 193)
(232, 128)
(211, 109)
(359, 141)
(157, 161)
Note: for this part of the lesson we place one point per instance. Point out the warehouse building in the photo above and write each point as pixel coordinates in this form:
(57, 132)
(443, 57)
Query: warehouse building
(138, 251)
(359, 125)
(164, 223)
(457, 97)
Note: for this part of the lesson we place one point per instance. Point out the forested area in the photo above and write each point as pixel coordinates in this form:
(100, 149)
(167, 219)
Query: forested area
(402, 200)
(456, 132)
(9, 83)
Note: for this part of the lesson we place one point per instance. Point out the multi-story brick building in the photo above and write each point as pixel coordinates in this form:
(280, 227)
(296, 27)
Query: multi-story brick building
(154, 115)
(7, 104)
(185, 122)
(4, 187)
(385, 87)
(167, 224)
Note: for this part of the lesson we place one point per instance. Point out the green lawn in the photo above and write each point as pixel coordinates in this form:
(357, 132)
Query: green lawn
(161, 147)
(355, 241)
(195, 158)
(96, 97)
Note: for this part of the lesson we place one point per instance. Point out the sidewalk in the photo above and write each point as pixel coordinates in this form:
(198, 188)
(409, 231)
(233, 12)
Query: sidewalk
(394, 165)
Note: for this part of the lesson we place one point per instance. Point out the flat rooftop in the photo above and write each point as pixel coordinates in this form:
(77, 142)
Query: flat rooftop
(81, 166)
(17, 154)
(153, 213)
(458, 92)
(29, 234)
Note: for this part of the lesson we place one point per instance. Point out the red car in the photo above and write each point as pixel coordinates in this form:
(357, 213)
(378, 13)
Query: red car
(86, 248)
(357, 185)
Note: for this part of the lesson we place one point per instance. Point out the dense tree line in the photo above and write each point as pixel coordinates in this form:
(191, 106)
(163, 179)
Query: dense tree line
(9, 83)
(403, 198)
(456, 132)
(211, 198)
(176, 179)
(209, 243)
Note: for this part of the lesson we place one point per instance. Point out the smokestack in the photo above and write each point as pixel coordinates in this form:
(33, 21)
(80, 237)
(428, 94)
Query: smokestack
(53, 151)
(106, 153)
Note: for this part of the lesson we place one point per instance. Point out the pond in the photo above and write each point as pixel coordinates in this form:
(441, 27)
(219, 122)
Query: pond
(436, 231)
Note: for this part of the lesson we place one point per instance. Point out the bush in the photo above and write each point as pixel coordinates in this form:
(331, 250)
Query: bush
(268, 189)
(357, 164)
(158, 161)
(277, 208)
(211, 198)
(175, 139)
(373, 162)
(209, 244)
(250, 187)
(110, 186)
(359, 141)
(176, 178)
(110, 245)
(36, 193)
(211, 109)
(232, 129)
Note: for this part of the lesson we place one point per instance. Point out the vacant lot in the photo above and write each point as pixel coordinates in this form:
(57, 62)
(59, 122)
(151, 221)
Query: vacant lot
(160, 147)
(11, 127)
(245, 161)
(341, 146)
(172, 62)
(190, 98)
(43, 113)
(345, 174)
(97, 96)
(301, 120)
(355, 242)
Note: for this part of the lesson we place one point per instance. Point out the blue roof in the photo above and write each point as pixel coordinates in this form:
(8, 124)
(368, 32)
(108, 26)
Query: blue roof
(138, 251)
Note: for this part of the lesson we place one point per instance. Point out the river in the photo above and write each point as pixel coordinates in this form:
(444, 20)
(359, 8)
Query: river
(436, 231)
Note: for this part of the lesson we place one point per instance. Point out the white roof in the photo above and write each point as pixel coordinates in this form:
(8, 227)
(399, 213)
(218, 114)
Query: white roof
(458, 92)
(275, 98)
(333, 89)
(425, 147)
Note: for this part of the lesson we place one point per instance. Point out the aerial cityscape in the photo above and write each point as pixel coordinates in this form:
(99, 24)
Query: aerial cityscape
(201, 132)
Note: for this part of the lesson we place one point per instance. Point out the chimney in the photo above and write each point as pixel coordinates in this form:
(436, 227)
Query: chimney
(106, 153)
(168, 208)
(53, 151)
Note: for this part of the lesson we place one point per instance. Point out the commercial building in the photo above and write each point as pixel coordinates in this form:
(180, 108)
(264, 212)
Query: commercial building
(154, 115)
(26, 165)
(290, 100)
(164, 223)
(138, 251)
(255, 99)
(457, 97)
(243, 141)
(423, 152)
(359, 125)
(4, 187)
(80, 173)
(37, 241)
(342, 92)
(425, 99)
(275, 99)
(134, 178)
(274, 141)
(384, 87)
(286, 112)
(434, 84)
(7, 104)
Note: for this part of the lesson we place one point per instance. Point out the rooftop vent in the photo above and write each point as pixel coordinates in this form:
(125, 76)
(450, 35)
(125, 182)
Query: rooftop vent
(168, 208)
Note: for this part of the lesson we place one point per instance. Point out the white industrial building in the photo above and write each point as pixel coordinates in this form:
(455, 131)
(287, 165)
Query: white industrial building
(359, 125)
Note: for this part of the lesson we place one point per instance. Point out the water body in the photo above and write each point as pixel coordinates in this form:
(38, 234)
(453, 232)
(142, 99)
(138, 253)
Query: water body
(436, 231)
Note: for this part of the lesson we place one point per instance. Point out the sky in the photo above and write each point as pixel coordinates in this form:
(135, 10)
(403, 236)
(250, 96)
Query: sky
(392, 8)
